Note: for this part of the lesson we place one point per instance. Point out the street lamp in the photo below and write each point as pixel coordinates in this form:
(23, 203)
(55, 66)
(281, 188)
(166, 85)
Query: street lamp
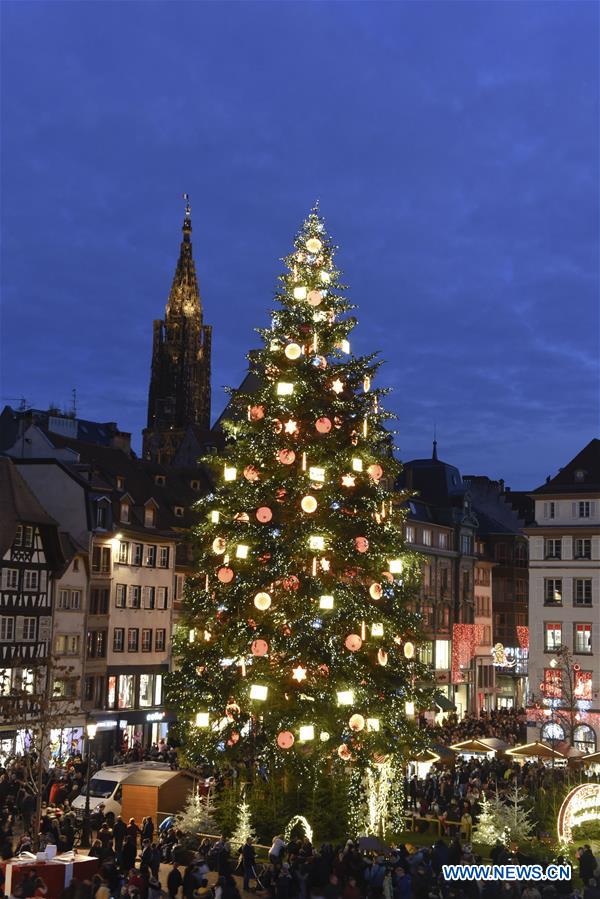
(91, 727)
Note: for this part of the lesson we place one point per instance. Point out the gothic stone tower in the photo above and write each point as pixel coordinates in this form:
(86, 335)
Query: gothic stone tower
(179, 395)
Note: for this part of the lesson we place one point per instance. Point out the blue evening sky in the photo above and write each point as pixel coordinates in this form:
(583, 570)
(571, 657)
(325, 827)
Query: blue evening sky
(453, 147)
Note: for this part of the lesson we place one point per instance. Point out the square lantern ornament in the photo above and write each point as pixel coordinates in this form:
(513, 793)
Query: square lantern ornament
(316, 474)
(241, 551)
(258, 691)
(345, 697)
(396, 566)
(307, 732)
(326, 602)
(373, 725)
(316, 542)
(284, 388)
(357, 464)
(230, 473)
(202, 719)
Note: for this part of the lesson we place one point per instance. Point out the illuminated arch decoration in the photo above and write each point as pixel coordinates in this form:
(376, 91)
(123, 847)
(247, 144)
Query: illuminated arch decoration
(298, 819)
(581, 804)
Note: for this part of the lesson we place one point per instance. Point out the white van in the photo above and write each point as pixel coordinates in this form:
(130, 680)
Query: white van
(106, 787)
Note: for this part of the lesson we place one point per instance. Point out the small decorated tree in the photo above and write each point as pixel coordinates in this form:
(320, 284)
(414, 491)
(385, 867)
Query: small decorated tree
(518, 818)
(492, 821)
(243, 828)
(197, 815)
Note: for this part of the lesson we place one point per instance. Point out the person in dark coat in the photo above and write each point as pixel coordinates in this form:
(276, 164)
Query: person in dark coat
(119, 834)
(174, 881)
(248, 862)
(587, 864)
(128, 854)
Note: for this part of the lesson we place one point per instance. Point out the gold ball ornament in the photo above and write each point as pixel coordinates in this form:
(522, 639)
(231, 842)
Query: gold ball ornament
(382, 657)
(344, 753)
(308, 504)
(262, 601)
(376, 591)
(356, 723)
(409, 650)
(293, 351)
(313, 245)
(375, 472)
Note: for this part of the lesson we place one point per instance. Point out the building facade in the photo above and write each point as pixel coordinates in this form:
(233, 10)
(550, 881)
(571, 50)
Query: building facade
(564, 602)
(179, 394)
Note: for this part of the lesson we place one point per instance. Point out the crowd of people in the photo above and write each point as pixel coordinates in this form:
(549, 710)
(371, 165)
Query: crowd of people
(509, 725)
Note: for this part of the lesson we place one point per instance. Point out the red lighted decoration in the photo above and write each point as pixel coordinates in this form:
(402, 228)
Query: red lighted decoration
(465, 639)
(523, 636)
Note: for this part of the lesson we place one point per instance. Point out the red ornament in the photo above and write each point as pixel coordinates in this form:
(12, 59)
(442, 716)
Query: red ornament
(225, 575)
(353, 642)
(241, 516)
(285, 739)
(280, 495)
(375, 591)
(277, 426)
(314, 298)
(388, 576)
(361, 544)
(323, 425)
(324, 670)
(232, 710)
(291, 582)
(375, 472)
(252, 623)
(255, 413)
(251, 473)
(344, 753)
(264, 514)
(260, 647)
(286, 456)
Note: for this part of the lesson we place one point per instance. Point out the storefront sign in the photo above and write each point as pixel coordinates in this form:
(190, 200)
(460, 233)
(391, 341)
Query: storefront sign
(582, 804)
(500, 659)
(155, 716)
(108, 724)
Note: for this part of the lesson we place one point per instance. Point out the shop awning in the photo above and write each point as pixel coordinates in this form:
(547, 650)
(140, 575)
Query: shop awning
(443, 703)
(485, 744)
(535, 750)
(592, 759)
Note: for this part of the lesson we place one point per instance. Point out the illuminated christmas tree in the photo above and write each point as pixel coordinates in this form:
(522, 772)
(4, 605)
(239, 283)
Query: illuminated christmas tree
(299, 643)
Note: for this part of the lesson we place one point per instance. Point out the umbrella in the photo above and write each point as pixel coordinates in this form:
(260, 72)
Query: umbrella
(372, 844)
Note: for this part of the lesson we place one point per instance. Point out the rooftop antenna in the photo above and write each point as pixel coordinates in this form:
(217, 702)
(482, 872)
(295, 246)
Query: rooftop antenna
(74, 402)
(434, 453)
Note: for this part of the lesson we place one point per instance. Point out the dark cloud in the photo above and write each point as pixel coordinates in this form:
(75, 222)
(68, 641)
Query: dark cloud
(453, 146)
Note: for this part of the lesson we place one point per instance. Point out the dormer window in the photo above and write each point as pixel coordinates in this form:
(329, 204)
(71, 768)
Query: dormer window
(120, 482)
(102, 514)
(195, 485)
(124, 514)
(179, 511)
(150, 514)
(580, 475)
(160, 480)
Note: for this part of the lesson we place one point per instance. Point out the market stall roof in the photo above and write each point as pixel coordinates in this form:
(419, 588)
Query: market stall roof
(443, 703)
(483, 744)
(569, 752)
(535, 750)
(592, 759)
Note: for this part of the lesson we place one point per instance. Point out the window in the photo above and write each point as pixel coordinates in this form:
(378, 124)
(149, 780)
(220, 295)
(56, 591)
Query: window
(553, 591)
(410, 534)
(31, 580)
(162, 597)
(160, 480)
(580, 475)
(426, 537)
(126, 693)
(72, 644)
(149, 597)
(96, 644)
(147, 682)
(444, 578)
(88, 688)
(178, 510)
(64, 688)
(482, 606)
(134, 597)
(521, 555)
(138, 551)
(583, 685)
(7, 629)
(425, 653)
(163, 557)
(111, 692)
(179, 585)
(59, 644)
(27, 629)
(75, 600)
(118, 639)
(582, 642)
(553, 635)
(146, 639)
(426, 576)
(583, 548)
(552, 732)
(101, 559)
(124, 512)
(521, 588)
(582, 591)
(584, 738)
(101, 515)
(120, 482)
(466, 584)
(18, 541)
(442, 655)
(123, 552)
(583, 508)
(64, 599)
(466, 545)
(132, 639)
(443, 540)
(500, 552)
(427, 613)
(10, 578)
(99, 600)
(150, 556)
(550, 510)
(75, 564)
(443, 615)
(120, 596)
(195, 485)
(150, 517)
(552, 688)
(552, 548)
(486, 640)
(160, 640)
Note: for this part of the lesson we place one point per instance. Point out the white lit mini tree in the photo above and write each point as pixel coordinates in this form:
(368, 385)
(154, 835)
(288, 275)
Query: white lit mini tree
(299, 642)
(197, 815)
(243, 827)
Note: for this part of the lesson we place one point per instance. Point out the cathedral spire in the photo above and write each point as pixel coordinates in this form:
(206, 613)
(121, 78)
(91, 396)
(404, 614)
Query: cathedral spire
(184, 298)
